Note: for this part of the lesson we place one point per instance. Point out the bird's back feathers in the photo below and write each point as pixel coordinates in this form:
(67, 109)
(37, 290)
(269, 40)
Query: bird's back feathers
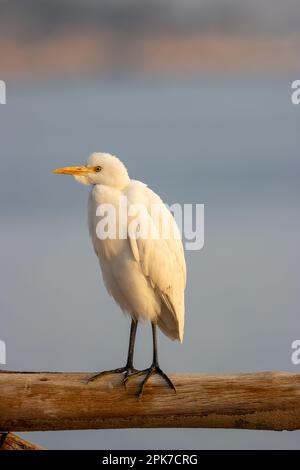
(145, 275)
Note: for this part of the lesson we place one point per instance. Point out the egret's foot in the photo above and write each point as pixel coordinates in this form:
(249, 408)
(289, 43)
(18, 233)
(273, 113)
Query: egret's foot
(134, 374)
(127, 371)
(153, 369)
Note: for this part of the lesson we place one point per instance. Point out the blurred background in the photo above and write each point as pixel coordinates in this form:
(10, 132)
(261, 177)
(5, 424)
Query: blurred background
(156, 37)
(194, 97)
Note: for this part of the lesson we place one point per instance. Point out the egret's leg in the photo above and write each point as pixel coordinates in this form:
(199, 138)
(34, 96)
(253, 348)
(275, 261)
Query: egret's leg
(153, 369)
(128, 369)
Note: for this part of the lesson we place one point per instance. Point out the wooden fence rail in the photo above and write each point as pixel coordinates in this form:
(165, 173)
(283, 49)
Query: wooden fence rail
(58, 401)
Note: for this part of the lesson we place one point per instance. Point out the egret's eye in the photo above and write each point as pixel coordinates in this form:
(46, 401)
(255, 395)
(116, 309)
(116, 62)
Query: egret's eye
(98, 168)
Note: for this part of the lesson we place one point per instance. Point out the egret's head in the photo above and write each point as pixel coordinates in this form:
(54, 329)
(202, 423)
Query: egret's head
(101, 168)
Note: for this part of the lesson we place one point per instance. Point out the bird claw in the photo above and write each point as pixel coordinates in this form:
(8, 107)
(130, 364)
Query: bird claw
(120, 370)
(131, 373)
(154, 369)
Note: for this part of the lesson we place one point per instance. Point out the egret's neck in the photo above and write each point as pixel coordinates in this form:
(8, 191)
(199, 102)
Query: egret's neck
(120, 188)
(122, 181)
(103, 193)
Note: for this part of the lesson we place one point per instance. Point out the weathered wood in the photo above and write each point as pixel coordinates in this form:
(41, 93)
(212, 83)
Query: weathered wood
(57, 401)
(9, 441)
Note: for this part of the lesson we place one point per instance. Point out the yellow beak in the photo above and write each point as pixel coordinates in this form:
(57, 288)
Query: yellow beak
(73, 170)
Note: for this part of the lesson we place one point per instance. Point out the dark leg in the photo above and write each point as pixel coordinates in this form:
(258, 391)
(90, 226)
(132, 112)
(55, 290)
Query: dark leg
(129, 363)
(128, 369)
(153, 369)
(154, 340)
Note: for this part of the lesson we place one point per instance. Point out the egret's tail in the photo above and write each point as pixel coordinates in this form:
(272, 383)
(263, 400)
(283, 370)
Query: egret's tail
(169, 324)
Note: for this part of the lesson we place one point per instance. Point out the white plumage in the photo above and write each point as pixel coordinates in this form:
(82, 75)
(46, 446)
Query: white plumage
(145, 276)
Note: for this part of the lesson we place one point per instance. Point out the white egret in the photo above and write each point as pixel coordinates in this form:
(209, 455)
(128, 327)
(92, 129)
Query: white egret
(145, 275)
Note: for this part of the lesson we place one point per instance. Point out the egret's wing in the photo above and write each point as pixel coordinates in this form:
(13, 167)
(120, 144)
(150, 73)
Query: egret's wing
(156, 245)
